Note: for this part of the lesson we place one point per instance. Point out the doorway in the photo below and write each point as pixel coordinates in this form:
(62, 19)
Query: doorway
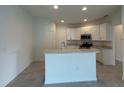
(118, 42)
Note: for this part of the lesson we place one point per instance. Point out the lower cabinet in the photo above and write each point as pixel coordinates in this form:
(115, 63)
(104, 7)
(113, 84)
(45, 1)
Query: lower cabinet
(99, 56)
(105, 56)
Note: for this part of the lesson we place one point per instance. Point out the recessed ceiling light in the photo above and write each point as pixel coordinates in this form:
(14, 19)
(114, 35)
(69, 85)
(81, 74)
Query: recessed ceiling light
(85, 20)
(55, 7)
(62, 21)
(84, 8)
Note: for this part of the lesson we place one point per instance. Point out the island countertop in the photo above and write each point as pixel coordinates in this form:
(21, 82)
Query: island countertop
(72, 50)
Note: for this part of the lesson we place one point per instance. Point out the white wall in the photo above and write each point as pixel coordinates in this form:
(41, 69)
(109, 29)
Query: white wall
(117, 32)
(61, 33)
(15, 42)
(122, 10)
(43, 37)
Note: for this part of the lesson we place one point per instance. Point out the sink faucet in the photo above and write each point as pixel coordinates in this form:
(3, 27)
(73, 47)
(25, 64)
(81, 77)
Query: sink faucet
(62, 44)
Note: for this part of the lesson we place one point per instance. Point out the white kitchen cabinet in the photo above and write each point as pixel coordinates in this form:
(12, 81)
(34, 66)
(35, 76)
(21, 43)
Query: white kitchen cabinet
(105, 56)
(99, 56)
(86, 30)
(98, 32)
(93, 30)
(73, 34)
(102, 31)
(105, 32)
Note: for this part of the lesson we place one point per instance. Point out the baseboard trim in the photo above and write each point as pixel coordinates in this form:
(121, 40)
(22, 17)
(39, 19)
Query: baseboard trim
(118, 60)
(99, 62)
(105, 64)
(37, 61)
(18, 74)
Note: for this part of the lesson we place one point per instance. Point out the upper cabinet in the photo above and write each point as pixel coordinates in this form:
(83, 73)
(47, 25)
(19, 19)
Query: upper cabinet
(105, 32)
(93, 30)
(98, 32)
(73, 34)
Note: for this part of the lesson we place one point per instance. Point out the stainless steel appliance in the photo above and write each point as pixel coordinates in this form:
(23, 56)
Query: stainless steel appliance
(85, 41)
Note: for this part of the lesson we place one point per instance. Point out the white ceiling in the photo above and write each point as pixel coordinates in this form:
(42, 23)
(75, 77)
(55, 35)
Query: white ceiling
(71, 13)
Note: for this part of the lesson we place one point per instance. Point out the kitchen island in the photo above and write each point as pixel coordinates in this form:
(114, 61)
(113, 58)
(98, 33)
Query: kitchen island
(70, 65)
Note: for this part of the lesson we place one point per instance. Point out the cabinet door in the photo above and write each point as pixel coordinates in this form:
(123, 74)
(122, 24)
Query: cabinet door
(95, 32)
(86, 30)
(73, 34)
(103, 31)
(105, 57)
(99, 56)
(68, 34)
(108, 57)
(108, 32)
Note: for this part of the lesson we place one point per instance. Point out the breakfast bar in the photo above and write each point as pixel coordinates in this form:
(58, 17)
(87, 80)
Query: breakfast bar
(70, 65)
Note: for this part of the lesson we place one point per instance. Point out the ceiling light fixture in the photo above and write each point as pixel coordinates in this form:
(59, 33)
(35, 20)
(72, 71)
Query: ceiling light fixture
(62, 21)
(84, 8)
(85, 20)
(55, 7)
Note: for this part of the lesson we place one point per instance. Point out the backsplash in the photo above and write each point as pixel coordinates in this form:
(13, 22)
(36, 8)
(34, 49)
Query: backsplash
(73, 42)
(102, 43)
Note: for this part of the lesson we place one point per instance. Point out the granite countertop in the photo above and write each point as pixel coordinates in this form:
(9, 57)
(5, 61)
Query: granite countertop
(102, 47)
(72, 50)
